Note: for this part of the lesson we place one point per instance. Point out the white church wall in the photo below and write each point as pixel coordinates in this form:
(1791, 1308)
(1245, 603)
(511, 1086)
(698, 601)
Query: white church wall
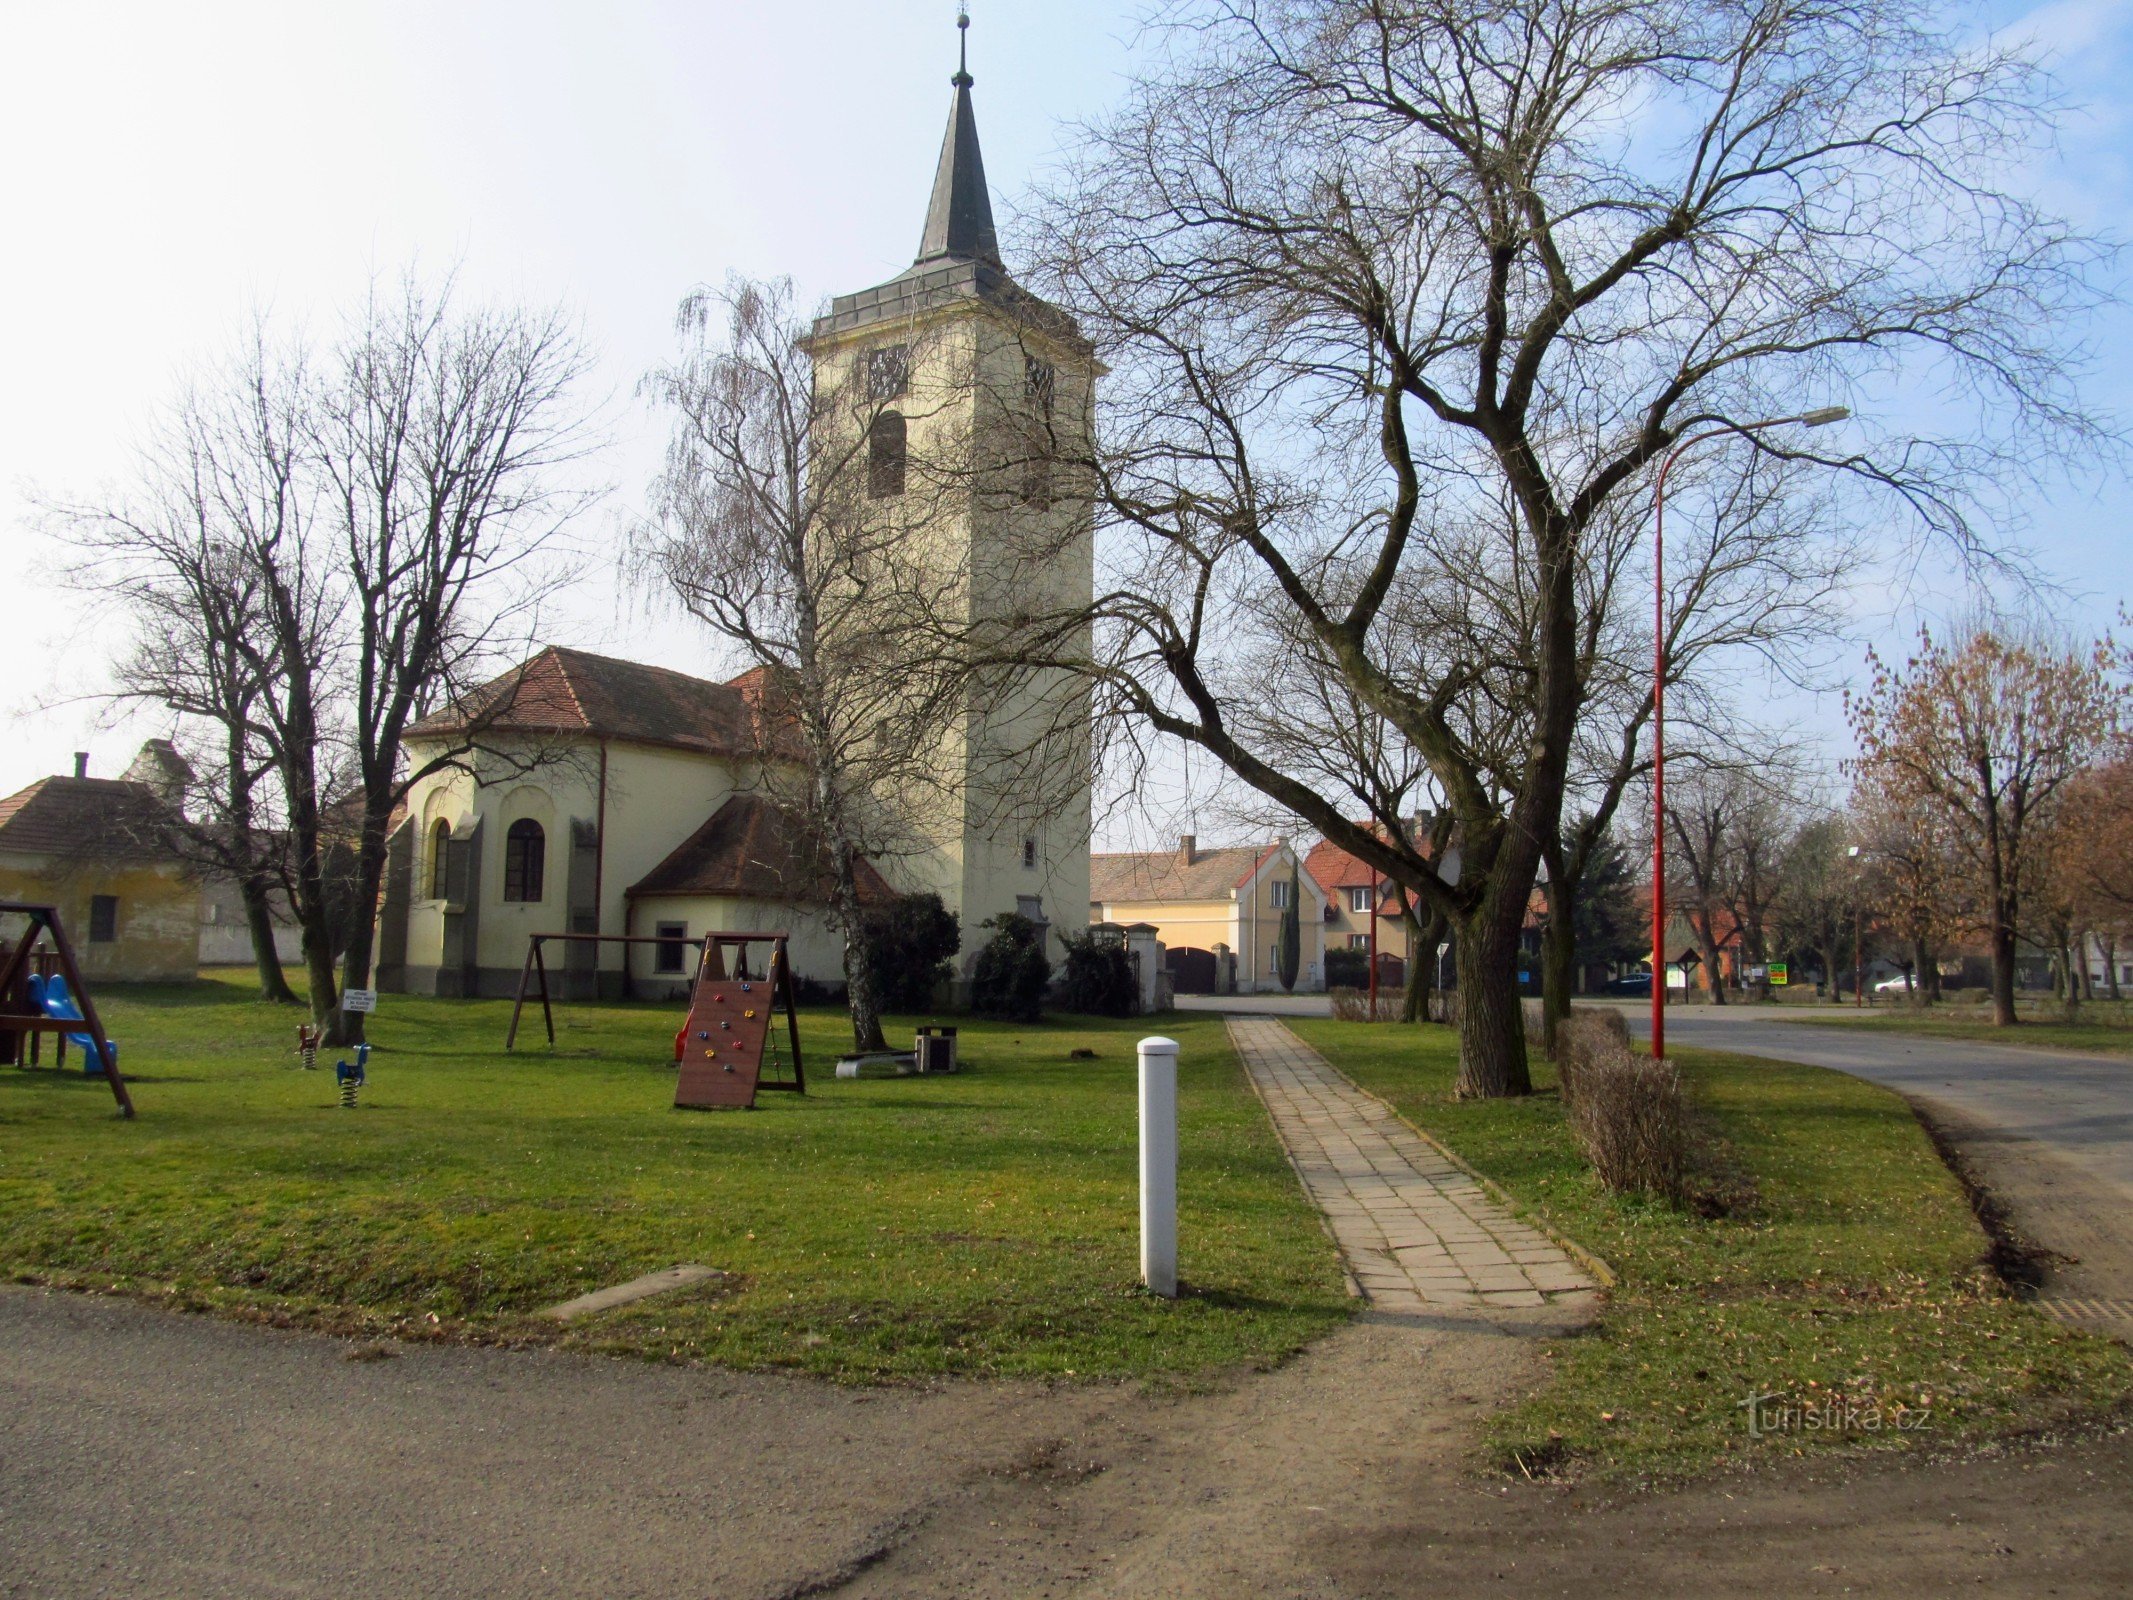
(816, 950)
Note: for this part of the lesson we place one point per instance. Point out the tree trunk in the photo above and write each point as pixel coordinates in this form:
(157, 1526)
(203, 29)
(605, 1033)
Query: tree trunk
(1422, 941)
(259, 922)
(2003, 976)
(859, 996)
(2110, 966)
(1492, 1023)
(1931, 975)
(1714, 976)
(362, 914)
(1559, 959)
(1921, 964)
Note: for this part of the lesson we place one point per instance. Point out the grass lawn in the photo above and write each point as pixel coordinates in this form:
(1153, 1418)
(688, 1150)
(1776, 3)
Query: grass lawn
(2105, 1028)
(1847, 1271)
(874, 1229)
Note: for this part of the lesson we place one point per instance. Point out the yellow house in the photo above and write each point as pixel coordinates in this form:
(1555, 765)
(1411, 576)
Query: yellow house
(100, 850)
(1217, 912)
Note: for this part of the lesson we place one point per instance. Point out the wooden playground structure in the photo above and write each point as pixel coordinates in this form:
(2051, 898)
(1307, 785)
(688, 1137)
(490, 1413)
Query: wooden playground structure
(21, 1023)
(728, 1047)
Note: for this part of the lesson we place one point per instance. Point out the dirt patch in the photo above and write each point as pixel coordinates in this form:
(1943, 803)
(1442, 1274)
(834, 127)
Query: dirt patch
(1349, 1475)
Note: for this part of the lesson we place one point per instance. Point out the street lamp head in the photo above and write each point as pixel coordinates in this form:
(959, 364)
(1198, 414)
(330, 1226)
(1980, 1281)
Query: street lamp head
(1826, 415)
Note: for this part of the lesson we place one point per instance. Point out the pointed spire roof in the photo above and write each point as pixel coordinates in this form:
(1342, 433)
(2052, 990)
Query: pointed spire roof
(959, 218)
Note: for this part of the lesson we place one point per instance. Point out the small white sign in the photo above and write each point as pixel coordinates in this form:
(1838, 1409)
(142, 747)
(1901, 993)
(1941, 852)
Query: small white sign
(359, 999)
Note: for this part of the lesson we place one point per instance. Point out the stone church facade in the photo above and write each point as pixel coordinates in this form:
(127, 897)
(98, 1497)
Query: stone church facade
(618, 797)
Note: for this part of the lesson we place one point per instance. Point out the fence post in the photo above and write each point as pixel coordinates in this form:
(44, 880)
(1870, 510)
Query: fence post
(1159, 1166)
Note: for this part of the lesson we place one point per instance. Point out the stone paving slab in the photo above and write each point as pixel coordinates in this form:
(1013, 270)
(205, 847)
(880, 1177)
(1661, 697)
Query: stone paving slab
(1418, 1232)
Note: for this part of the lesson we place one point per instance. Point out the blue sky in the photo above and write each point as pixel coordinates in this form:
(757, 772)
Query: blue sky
(171, 166)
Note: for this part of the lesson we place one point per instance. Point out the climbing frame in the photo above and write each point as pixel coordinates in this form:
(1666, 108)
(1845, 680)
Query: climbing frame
(730, 1047)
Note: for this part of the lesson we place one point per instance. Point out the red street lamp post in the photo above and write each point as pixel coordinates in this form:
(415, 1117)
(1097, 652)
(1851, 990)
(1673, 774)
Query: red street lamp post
(1810, 419)
(1373, 947)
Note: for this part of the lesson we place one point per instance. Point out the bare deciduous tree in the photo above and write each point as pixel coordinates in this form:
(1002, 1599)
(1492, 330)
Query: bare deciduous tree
(364, 526)
(1365, 272)
(773, 528)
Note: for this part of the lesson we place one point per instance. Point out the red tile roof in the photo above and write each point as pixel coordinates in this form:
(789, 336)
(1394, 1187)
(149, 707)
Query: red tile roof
(750, 850)
(574, 691)
(89, 819)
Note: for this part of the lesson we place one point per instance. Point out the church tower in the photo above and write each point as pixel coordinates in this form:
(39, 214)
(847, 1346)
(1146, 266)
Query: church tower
(979, 424)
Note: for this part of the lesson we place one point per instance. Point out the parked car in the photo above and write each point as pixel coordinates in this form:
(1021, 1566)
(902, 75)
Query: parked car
(1896, 985)
(1634, 984)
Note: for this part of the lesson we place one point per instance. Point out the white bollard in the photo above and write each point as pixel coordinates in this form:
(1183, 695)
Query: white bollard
(1159, 1166)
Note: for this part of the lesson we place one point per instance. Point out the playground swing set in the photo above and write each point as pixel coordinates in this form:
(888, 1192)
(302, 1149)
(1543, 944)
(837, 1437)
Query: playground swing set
(41, 991)
(728, 1048)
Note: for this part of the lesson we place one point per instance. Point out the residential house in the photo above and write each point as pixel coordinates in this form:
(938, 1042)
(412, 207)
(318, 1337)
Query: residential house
(102, 850)
(1217, 912)
(1354, 892)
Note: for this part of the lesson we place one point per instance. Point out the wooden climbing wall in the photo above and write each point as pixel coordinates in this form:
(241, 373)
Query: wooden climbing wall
(724, 1043)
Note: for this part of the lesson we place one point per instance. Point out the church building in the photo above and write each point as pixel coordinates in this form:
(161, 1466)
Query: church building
(616, 797)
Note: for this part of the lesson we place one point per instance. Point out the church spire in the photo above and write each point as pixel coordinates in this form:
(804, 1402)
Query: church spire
(959, 218)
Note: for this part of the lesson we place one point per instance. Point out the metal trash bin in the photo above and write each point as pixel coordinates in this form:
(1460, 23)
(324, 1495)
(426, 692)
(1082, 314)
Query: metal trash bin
(934, 1050)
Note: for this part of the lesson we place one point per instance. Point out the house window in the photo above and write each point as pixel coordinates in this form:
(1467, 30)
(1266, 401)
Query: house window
(1359, 901)
(525, 860)
(440, 860)
(888, 372)
(888, 442)
(103, 918)
(1029, 854)
(1279, 899)
(671, 953)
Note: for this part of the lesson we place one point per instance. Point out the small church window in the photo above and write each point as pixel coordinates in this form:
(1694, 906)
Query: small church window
(888, 372)
(525, 859)
(103, 918)
(670, 954)
(1029, 854)
(887, 445)
(440, 860)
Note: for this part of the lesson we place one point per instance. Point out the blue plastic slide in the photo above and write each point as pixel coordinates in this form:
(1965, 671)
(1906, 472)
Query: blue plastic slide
(58, 1002)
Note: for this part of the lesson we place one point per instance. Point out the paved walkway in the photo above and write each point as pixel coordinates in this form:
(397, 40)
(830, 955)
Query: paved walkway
(1419, 1233)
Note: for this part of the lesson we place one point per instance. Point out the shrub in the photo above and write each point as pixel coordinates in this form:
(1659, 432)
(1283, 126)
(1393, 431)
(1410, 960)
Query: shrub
(1625, 1109)
(1353, 1005)
(1347, 969)
(1099, 979)
(908, 944)
(1008, 978)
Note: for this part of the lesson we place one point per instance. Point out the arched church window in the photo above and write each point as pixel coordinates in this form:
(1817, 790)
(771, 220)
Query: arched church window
(440, 859)
(887, 444)
(525, 858)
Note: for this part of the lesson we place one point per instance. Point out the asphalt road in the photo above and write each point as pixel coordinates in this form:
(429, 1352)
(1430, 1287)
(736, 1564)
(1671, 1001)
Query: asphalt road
(150, 1454)
(2080, 1107)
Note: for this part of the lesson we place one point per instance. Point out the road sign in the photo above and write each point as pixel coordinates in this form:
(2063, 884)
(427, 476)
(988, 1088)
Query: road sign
(1780, 974)
(359, 999)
